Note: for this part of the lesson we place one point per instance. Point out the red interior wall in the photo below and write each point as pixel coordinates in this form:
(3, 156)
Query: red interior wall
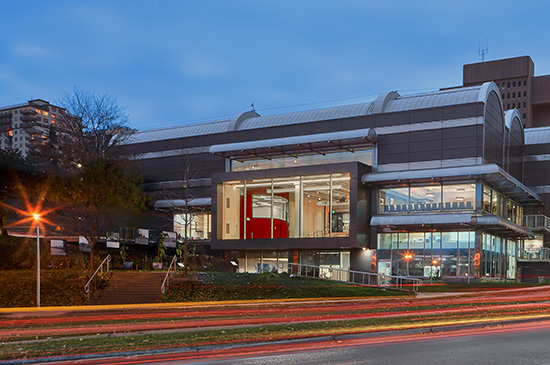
(261, 227)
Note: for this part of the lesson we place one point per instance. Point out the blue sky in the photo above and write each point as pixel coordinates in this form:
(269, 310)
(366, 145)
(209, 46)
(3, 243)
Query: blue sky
(178, 62)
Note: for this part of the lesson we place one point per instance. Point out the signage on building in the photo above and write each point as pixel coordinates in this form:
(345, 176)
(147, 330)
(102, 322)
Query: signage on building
(58, 248)
(113, 240)
(142, 236)
(83, 244)
(170, 239)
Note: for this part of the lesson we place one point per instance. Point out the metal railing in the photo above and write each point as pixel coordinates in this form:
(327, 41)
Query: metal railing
(536, 221)
(542, 254)
(171, 268)
(106, 261)
(403, 283)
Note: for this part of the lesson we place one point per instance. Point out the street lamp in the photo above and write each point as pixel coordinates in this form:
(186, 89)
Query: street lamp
(408, 258)
(36, 218)
(434, 263)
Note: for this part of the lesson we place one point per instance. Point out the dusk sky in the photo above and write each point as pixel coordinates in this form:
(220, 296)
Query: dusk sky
(179, 62)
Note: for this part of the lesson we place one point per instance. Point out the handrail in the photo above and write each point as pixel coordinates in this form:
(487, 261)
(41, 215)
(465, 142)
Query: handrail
(542, 254)
(100, 267)
(357, 277)
(166, 281)
(536, 221)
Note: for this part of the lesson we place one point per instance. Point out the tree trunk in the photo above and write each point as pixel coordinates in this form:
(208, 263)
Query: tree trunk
(92, 258)
(185, 259)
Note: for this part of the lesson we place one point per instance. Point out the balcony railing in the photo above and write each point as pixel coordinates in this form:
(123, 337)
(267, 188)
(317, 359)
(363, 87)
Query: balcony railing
(541, 254)
(537, 222)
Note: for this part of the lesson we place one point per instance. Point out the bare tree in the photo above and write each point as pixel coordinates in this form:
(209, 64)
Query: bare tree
(186, 206)
(98, 122)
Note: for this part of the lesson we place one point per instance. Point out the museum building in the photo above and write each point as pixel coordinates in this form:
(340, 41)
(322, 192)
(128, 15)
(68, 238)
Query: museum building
(404, 185)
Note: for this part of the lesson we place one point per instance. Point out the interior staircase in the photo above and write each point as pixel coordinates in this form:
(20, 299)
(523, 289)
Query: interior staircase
(130, 287)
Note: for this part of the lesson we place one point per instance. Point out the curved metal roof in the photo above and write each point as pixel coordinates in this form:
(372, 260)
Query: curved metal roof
(344, 111)
(432, 100)
(511, 116)
(537, 135)
(218, 126)
(392, 102)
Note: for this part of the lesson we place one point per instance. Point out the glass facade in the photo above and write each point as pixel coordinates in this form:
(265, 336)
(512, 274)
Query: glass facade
(360, 155)
(445, 254)
(497, 204)
(262, 261)
(194, 226)
(277, 261)
(499, 257)
(289, 207)
(428, 198)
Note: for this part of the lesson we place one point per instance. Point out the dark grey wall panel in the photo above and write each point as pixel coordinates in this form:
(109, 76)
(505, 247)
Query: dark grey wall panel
(494, 131)
(461, 111)
(384, 120)
(426, 115)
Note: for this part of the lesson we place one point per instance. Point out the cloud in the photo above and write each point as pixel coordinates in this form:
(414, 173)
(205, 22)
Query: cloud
(201, 67)
(31, 51)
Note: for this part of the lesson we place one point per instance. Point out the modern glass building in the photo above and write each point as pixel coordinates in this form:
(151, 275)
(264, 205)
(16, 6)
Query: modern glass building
(422, 185)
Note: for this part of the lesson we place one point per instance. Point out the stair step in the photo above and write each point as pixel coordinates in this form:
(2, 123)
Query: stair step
(131, 288)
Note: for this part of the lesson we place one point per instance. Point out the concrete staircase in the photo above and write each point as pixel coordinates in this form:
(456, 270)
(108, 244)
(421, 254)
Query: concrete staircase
(131, 287)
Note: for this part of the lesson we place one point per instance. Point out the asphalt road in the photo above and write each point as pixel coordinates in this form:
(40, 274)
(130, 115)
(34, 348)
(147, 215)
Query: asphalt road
(523, 343)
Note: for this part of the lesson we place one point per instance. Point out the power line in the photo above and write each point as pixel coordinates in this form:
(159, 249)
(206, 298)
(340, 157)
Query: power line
(225, 116)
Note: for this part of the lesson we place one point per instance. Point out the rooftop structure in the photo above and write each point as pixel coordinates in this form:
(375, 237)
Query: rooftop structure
(519, 87)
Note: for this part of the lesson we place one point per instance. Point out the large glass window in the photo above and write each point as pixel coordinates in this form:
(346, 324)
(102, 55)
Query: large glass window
(497, 204)
(194, 226)
(300, 206)
(427, 198)
(363, 155)
(447, 254)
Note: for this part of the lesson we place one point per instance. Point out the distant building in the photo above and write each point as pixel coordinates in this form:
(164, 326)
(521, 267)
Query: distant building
(519, 88)
(25, 127)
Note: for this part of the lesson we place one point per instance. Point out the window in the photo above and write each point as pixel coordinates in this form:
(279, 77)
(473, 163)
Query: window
(360, 155)
(523, 115)
(286, 207)
(513, 95)
(507, 106)
(525, 94)
(508, 85)
(514, 84)
(429, 198)
(508, 97)
(503, 95)
(524, 104)
(524, 82)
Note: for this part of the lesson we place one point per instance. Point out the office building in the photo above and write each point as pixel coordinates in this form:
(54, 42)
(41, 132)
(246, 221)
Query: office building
(519, 87)
(404, 185)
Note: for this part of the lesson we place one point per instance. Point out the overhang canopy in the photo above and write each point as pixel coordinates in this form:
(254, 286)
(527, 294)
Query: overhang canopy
(179, 204)
(491, 173)
(298, 145)
(489, 223)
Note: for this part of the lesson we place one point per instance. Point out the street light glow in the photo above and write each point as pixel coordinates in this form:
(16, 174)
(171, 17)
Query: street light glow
(36, 216)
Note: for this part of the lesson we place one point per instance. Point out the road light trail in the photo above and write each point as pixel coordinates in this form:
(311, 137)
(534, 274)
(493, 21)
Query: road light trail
(311, 345)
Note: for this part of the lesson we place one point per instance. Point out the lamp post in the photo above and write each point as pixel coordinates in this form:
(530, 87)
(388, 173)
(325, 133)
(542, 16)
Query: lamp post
(36, 218)
(434, 263)
(408, 258)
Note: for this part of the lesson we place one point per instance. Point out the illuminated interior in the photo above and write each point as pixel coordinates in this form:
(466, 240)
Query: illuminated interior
(289, 207)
